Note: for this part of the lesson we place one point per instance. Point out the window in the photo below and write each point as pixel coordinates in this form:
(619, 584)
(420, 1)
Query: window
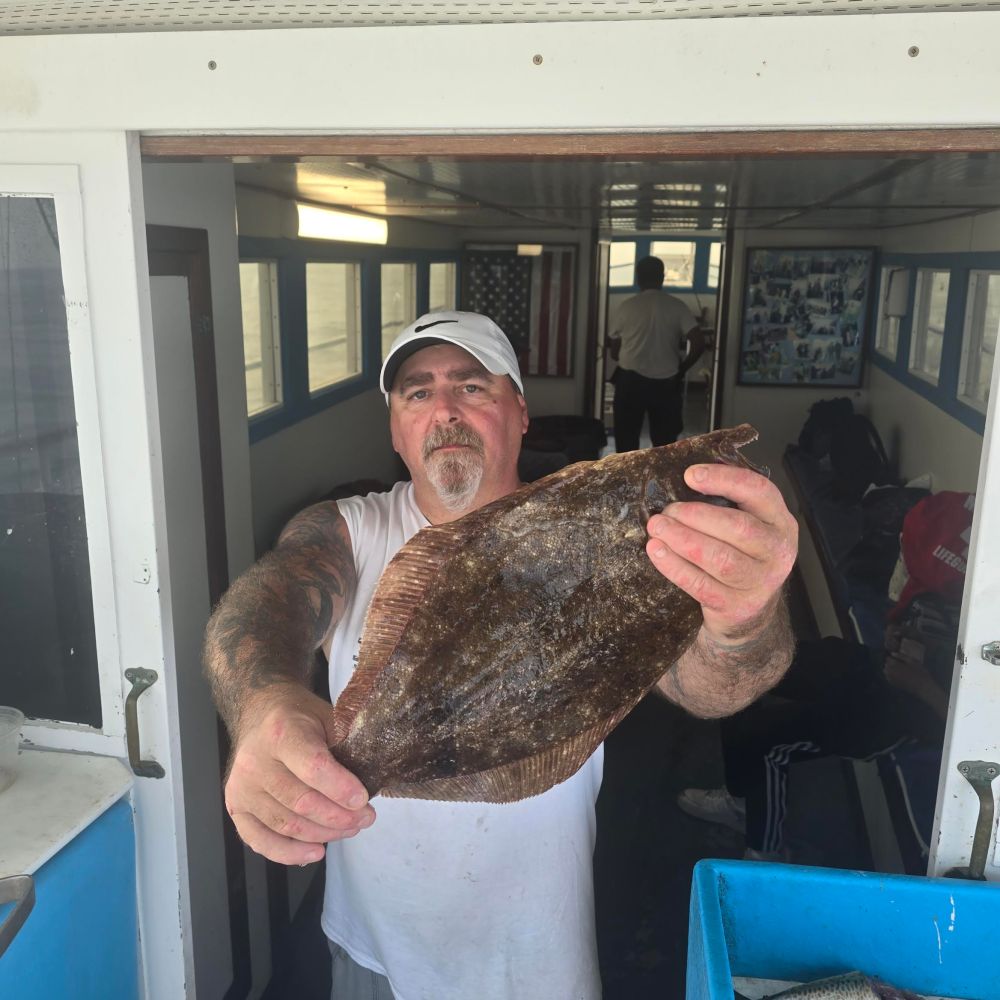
(622, 265)
(261, 334)
(895, 288)
(927, 337)
(979, 341)
(714, 260)
(333, 322)
(441, 293)
(50, 668)
(399, 300)
(678, 262)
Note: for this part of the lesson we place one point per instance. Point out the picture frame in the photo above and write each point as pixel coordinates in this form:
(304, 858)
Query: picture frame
(806, 313)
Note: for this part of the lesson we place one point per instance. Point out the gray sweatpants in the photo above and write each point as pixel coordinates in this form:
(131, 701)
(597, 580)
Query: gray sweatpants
(354, 982)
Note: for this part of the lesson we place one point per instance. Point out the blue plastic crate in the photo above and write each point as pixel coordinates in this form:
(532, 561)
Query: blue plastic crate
(788, 922)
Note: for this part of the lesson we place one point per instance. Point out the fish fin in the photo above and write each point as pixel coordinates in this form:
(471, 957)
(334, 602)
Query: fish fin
(886, 992)
(397, 597)
(519, 780)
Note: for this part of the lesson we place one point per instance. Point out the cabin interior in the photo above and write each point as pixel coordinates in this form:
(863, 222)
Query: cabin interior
(929, 312)
(267, 350)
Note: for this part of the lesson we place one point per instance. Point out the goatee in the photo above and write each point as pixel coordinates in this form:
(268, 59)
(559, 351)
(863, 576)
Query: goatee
(455, 475)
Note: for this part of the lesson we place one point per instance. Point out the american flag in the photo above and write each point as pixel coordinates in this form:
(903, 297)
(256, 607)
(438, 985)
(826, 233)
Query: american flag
(530, 299)
(550, 325)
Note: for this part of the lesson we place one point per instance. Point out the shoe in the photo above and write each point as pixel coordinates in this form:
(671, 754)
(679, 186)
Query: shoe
(715, 805)
(752, 854)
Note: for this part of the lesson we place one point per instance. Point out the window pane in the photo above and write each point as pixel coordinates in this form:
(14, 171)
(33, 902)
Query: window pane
(714, 259)
(261, 337)
(979, 341)
(928, 323)
(442, 287)
(399, 300)
(333, 322)
(892, 298)
(622, 265)
(678, 262)
(46, 606)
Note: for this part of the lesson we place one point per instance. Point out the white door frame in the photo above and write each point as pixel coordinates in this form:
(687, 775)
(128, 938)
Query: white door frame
(973, 731)
(95, 179)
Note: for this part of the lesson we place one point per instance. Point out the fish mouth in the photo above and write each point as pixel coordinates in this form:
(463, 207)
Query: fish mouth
(730, 454)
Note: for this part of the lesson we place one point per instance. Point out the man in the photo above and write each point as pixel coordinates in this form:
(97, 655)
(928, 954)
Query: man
(651, 332)
(455, 900)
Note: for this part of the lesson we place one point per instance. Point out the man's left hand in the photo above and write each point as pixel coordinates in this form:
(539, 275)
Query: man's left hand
(732, 561)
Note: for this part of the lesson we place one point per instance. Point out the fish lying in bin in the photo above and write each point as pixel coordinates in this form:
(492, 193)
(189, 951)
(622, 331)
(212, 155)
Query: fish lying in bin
(850, 986)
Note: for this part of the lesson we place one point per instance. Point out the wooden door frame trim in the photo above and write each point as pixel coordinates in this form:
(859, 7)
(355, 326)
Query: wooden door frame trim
(584, 146)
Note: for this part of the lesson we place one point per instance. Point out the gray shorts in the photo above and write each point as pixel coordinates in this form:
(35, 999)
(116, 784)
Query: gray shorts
(354, 982)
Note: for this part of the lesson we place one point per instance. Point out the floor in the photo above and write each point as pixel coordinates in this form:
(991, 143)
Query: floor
(646, 847)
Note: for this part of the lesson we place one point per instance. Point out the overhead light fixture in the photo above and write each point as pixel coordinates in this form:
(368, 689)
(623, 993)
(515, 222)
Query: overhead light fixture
(329, 224)
(529, 249)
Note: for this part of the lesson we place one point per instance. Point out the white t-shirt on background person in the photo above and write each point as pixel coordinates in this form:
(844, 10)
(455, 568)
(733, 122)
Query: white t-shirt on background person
(652, 326)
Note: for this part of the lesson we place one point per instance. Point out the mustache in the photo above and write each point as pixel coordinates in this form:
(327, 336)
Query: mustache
(455, 434)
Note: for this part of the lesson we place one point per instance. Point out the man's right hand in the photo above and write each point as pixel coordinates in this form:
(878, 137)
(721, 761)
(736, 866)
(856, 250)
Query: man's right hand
(286, 793)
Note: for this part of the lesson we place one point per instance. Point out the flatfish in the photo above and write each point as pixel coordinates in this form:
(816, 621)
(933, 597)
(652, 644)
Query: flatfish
(850, 986)
(500, 649)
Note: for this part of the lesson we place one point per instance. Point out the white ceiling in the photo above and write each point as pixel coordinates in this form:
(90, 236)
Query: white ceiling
(45, 17)
(869, 192)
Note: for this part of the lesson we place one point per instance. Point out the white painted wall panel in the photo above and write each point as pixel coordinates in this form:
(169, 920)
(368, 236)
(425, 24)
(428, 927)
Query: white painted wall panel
(838, 71)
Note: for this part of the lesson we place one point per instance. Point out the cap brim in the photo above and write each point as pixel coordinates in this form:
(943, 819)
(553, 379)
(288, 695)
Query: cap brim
(391, 365)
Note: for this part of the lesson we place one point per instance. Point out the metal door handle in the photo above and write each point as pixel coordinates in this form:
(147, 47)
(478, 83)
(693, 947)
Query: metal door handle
(980, 774)
(19, 890)
(140, 680)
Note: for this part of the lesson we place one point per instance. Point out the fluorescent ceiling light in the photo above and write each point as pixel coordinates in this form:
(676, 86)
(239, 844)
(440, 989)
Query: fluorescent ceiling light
(329, 224)
(529, 249)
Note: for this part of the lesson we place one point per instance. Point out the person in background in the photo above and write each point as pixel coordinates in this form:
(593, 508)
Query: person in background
(655, 339)
(848, 700)
(840, 699)
(452, 900)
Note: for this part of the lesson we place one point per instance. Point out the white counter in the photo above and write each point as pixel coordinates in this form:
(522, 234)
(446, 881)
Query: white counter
(55, 796)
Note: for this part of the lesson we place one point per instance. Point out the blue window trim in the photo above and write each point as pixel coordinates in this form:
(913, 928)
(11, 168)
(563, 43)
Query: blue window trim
(291, 257)
(944, 395)
(702, 252)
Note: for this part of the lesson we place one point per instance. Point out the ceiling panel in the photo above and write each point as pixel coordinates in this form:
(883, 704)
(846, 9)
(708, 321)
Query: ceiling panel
(85, 16)
(952, 179)
(655, 197)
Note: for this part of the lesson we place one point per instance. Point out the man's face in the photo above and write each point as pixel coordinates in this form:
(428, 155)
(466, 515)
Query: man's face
(457, 427)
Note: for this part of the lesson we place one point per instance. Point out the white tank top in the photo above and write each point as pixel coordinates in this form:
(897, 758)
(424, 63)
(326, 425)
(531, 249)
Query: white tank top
(460, 900)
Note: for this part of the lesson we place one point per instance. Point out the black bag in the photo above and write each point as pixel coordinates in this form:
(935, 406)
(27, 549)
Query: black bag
(858, 459)
(823, 420)
(874, 557)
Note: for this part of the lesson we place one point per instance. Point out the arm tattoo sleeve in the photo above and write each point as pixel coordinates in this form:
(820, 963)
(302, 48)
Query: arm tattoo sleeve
(714, 679)
(269, 624)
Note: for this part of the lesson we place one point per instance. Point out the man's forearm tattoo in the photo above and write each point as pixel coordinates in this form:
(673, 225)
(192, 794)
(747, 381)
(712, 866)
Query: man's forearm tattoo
(714, 678)
(268, 625)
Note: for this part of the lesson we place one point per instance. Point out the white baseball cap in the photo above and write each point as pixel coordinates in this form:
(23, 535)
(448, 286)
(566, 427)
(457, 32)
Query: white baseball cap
(477, 334)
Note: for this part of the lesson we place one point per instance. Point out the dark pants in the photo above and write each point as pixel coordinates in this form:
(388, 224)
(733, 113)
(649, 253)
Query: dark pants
(834, 701)
(635, 397)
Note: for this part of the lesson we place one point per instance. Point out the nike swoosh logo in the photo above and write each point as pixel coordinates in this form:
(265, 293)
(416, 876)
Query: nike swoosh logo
(437, 322)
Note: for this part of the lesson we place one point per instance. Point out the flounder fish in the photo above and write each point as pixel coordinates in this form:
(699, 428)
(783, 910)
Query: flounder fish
(500, 649)
(850, 986)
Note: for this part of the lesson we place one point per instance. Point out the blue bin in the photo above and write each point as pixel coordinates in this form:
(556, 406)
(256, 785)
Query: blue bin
(932, 935)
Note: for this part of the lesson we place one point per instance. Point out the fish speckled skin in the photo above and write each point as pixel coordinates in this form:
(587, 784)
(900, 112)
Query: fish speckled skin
(850, 986)
(499, 650)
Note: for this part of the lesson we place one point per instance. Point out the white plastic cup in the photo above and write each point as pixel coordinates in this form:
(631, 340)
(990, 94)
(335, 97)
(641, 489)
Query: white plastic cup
(11, 720)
